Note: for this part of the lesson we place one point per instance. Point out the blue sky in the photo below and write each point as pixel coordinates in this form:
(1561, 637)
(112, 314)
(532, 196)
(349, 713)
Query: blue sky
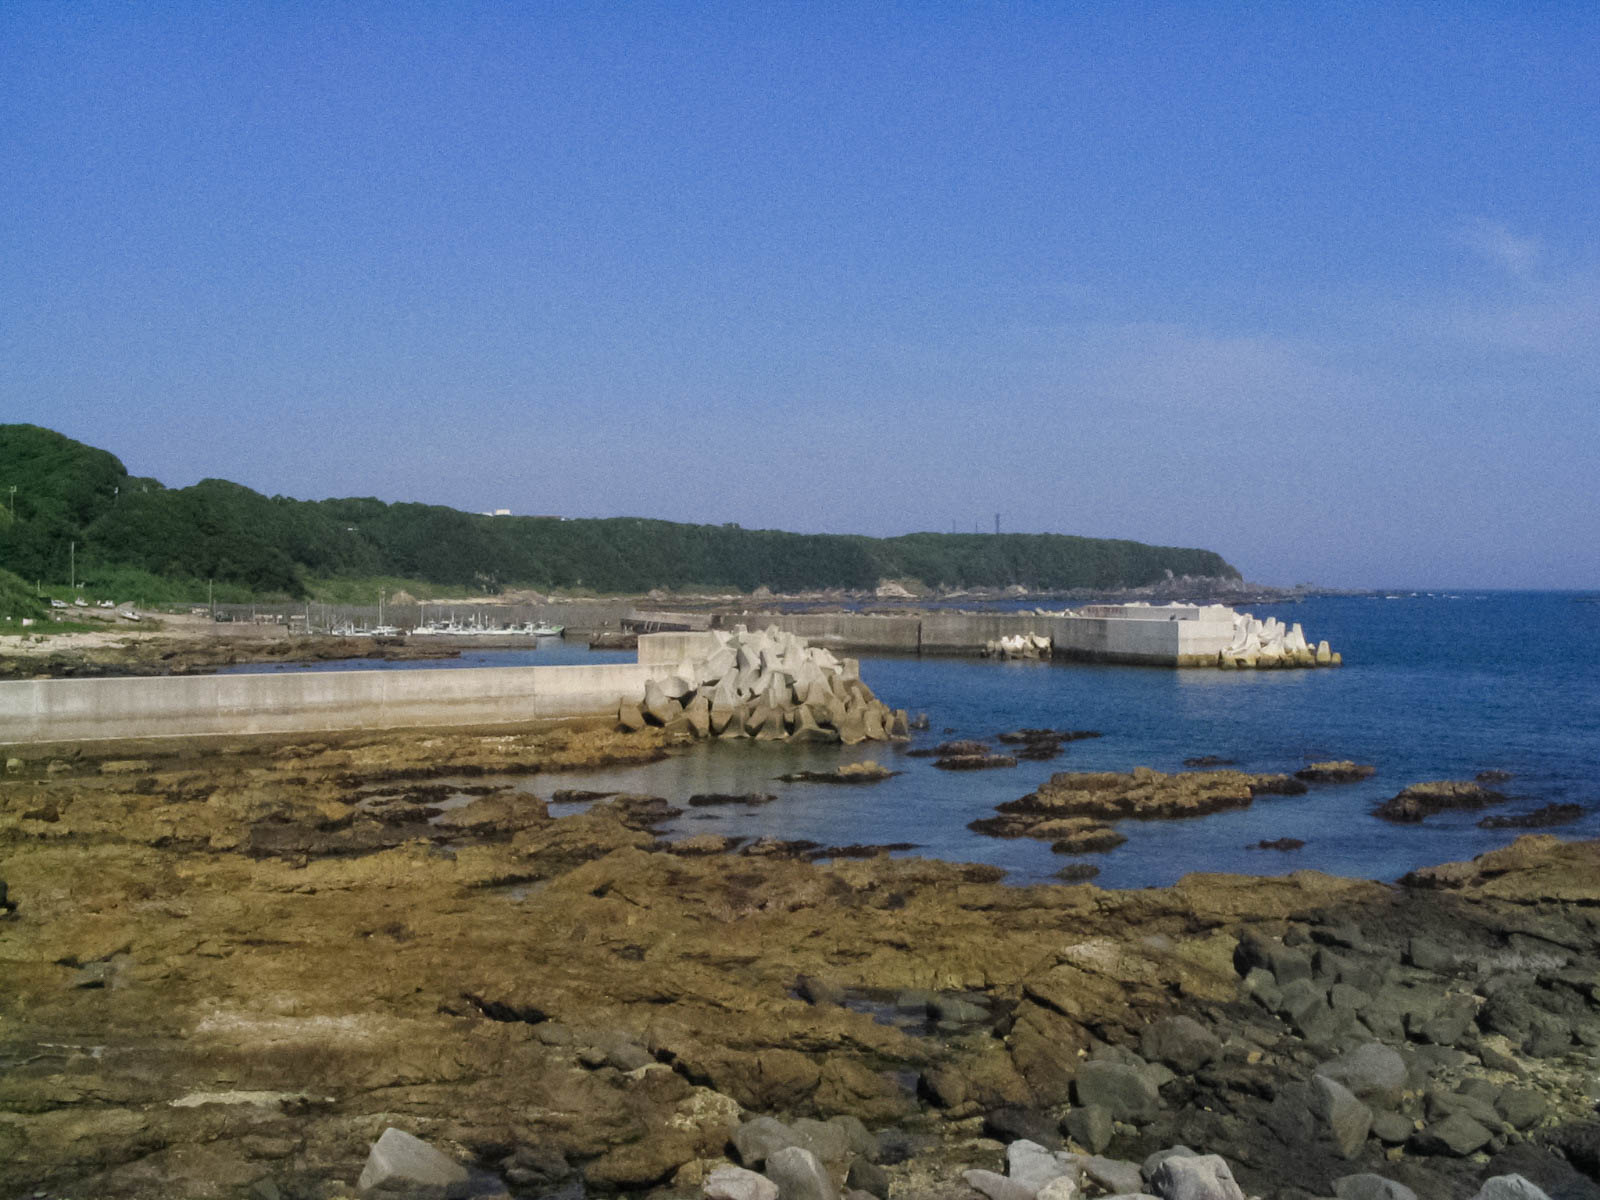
(1315, 286)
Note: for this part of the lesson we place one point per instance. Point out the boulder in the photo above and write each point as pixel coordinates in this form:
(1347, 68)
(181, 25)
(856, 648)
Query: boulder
(1123, 1091)
(1181, 1043)
(756, 1139)
(1201, 1177)
(400, 1163)
(1458, 1135)
(736, 1183)
(1032, 1165)
(997, 1187)
(1113, 1174)
(1346, 1118)
(799, 1175)
(1510, 1187)
(1371, 1187)
(1371, 1071)
(1091, 1127)
(630, 717)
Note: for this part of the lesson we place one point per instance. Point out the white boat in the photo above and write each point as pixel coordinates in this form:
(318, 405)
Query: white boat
(385, 631)
(546, 630)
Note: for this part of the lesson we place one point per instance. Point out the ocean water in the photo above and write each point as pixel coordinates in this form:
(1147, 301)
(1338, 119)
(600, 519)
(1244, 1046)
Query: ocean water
(1435, 686)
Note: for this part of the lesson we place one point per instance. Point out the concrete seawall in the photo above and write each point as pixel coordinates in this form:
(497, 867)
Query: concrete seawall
(1156, 640)
(312, 701)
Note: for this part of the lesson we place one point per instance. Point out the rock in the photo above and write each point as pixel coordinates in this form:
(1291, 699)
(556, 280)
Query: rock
(403, 1164)
(1032, 1165)
(1539, 818)
(756, 1140)
(736, 1183)
(630, 717)
(1202, 1177)
(1148, 1167)
(1013, 1123)
(1121, 1090)
(1090, 1126)
(1347, 1119)
(1113, 1174)
(1371, 1071)
(975, 762)
(1335, 772)
(1391, 1128)
(1457, 1135)
(997, 1187)
(1062, 1187)
(1509, 1187)
(799, 1175)
(1180, 1042)
(1371, 1187)
(1521, 1107)
(827, 1141)
(868, 1177)
(1422, 800)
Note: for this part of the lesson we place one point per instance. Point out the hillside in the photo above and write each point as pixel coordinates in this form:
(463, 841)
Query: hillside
(274, 545)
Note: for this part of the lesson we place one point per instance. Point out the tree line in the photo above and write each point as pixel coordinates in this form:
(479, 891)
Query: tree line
(67, 492)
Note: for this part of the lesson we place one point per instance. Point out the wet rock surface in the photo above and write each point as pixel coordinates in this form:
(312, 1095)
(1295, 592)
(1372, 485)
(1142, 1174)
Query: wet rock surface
(1422, 800)
(215, 988)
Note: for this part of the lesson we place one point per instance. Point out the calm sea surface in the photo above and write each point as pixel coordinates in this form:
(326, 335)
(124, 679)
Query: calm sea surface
(1437, 686)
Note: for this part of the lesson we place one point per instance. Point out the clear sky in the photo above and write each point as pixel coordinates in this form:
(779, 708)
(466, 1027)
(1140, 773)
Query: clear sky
(1316, 286)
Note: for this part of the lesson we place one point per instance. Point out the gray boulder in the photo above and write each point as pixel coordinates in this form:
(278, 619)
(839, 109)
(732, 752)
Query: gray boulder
(799, 1175)
(1457, 1135)
(756, 1140)
(829, 1142)
(997, 1187)
(868, 1177)
(1090, 1126)
(1152, 1161)
(1202, 1177)
(1346, 1118)
(1181, 1043)
(1510, 1187)
(1373, 1072)
(403, 1165)
(1032, 1165)
(1123, 1091)
(1113, 1174)
(736, 1183)
(1371, 1187)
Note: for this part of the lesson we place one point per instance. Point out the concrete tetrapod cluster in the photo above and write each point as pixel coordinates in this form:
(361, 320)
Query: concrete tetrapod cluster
(767, 685)
(1021, 645)
(1269, 643)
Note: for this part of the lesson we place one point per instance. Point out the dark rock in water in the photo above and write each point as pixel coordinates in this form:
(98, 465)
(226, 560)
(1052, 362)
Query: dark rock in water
(575, 796)
(947, 749)
(1493, 776)
(975, 762)
(1209, 760)
(861, 772)
(1277, 785)
(1421, 800)
(857, 850)
(1040, 751)
(1021, 737)
(1283, 843)
(1335, 772)
(1539, 818)
(708, 799)
(1090, 837)
(1077, 873)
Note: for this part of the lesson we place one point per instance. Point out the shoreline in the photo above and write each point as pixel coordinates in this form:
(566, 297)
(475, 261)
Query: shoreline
(285, 948)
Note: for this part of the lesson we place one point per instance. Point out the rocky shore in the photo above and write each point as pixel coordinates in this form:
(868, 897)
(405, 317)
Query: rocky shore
(229, 970)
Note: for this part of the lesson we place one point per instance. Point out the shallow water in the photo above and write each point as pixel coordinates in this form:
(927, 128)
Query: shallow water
(1434, 687)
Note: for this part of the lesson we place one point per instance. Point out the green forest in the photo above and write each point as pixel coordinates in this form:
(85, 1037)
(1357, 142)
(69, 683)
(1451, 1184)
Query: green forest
(75, 511)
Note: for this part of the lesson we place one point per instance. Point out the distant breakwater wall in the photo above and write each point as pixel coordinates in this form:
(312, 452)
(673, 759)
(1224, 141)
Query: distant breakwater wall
(1163, 642)
(313, 701)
